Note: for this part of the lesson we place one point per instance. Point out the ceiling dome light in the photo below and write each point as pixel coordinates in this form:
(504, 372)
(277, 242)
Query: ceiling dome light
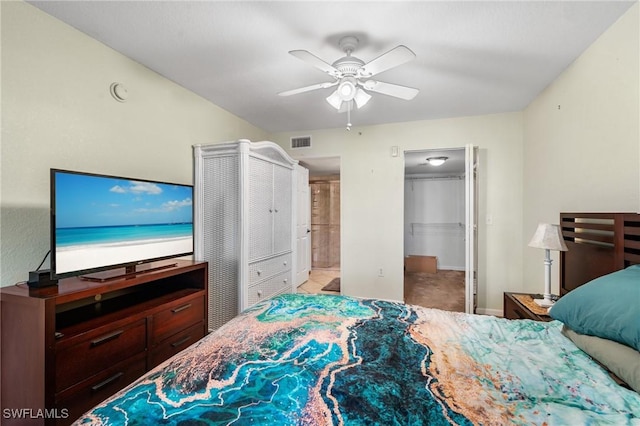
(436, 161)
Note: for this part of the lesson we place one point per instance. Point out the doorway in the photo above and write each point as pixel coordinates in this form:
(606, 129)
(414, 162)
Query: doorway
(439, 230)
(324, 229)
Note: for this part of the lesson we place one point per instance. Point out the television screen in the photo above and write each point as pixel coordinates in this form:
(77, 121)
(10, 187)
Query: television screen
(101, 222)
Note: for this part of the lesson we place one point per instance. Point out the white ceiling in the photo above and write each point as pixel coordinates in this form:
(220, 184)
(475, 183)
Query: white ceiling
(473, 57)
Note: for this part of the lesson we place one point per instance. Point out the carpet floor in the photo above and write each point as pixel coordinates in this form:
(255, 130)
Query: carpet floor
(443, 289)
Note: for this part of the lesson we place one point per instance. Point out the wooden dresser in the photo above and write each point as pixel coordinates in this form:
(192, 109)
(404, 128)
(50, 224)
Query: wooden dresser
(68, 347)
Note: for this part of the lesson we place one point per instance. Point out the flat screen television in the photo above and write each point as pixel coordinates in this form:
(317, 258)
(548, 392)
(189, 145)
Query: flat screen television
(103, 223)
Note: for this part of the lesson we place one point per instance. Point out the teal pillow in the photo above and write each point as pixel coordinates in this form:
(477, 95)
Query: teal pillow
(607, 307)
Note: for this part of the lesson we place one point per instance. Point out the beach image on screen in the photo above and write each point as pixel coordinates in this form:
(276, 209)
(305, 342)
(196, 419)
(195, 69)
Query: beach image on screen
(103, 221)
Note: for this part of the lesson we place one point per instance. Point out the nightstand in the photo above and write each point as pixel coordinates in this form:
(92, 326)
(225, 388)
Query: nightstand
(521, 306)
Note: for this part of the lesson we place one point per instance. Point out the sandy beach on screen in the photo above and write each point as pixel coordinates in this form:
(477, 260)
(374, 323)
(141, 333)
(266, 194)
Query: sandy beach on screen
(75, 258)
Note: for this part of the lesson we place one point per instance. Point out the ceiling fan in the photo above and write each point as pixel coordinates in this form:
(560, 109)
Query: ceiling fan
(353, 76)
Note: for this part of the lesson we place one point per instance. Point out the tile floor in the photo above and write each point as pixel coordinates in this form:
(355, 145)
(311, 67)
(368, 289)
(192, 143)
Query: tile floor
(318, 278)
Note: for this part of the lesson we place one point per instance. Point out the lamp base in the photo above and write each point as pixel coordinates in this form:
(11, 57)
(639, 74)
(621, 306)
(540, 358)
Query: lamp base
(544, 303)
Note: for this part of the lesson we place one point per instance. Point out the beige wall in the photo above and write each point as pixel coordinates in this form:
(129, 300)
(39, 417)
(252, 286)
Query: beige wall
(372, 198)
(582, 140)
(57, 112)
(575, 148)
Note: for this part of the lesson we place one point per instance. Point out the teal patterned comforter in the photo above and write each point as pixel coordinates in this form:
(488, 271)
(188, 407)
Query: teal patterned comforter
(316, 360)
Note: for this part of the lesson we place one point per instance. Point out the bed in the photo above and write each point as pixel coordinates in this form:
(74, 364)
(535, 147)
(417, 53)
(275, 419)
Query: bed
(324, 359)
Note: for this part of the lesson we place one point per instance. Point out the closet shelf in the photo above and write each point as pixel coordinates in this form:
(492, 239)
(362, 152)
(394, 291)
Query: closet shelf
(436, 226)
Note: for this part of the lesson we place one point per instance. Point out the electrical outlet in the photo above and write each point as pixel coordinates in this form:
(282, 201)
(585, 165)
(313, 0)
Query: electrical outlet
(380, 273)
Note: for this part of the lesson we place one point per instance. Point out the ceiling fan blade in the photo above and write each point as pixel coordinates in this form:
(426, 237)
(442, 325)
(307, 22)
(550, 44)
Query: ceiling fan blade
(308, 88)
(396, 56)
(316, 62)
(395, 90)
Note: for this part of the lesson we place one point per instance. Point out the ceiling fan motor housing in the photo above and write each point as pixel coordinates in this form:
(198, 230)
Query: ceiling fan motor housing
(348, 65)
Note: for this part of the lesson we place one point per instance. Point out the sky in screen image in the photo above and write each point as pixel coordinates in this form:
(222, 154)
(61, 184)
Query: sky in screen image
(89, 201)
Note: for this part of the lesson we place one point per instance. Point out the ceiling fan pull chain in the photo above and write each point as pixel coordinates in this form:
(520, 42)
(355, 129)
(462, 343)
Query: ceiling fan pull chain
(349, 115)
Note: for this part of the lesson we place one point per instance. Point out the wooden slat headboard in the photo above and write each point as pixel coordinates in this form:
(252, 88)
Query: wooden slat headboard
(598, 243)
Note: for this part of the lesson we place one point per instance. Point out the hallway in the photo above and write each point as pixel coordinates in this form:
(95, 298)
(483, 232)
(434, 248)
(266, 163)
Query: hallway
(441, 290)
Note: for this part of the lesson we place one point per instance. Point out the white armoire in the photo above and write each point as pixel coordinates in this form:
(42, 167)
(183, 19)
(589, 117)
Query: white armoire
(244, 222)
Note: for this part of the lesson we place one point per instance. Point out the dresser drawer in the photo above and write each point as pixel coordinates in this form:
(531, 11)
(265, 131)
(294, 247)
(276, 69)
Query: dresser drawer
(90, 392)
(177, 316)
(85, 355)
(279, 284)
(264, 269)
(513, 309)
(175, 344)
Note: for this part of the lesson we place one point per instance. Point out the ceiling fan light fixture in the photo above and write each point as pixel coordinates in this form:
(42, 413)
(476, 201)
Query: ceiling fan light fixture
(347, 91)
(347, 88)
(361, 97)
(436, 161)
(335, 100)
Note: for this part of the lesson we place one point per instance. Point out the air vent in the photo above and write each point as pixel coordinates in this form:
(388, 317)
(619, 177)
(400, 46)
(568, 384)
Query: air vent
(301, 142)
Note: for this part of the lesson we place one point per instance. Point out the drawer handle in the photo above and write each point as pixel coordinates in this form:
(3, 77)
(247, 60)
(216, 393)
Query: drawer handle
(181, 341)
(284, 263)
(181, 308)
(259, 272)
(107, 338)
(259, 293)
(284, 281)
(106, 382)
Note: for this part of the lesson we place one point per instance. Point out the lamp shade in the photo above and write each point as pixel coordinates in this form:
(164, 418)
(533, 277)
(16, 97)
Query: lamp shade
(548, 236)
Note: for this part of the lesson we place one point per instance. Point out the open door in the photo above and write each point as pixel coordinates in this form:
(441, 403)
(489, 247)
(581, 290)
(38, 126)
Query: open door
(303, 226)
(471, 229)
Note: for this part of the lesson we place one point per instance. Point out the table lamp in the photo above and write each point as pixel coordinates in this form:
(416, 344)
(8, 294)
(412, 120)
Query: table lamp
(547, 237)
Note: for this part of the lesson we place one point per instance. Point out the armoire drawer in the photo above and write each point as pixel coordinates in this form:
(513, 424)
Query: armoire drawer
(95, 350)
(177, 316)
(264, 269)
(272, 286)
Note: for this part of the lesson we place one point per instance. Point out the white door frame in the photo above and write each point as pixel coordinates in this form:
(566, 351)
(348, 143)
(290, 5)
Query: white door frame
(471, 228)
(303, 226)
